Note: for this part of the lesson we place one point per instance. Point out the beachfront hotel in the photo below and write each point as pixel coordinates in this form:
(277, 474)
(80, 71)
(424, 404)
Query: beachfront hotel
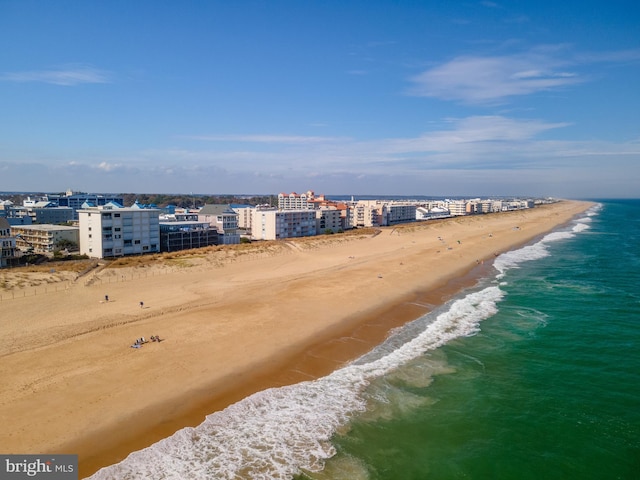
(272, 224)
(114, 231)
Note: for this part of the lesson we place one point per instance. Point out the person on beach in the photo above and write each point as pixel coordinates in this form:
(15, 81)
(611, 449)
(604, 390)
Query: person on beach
(106, 298)
(141, 304)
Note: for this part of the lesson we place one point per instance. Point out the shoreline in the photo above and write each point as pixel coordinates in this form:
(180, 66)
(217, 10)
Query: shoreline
(306, 363)
(297, 301)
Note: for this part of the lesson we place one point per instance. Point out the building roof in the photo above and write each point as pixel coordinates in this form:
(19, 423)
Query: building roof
(43, 204)
(308, 194)
(46, 227)
(115, 210)
(142, 206)
(216, 209)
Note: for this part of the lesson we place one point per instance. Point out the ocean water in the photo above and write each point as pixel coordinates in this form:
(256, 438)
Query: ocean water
(534, 373)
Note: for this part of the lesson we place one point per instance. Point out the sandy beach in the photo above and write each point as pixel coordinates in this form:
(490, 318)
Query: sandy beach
(73, 384)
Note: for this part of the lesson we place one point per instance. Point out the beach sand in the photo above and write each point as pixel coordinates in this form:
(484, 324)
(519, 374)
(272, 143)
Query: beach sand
(71, 383)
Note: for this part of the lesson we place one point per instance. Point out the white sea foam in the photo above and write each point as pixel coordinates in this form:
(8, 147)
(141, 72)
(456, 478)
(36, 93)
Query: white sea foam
(582, 223)
(538, 250)
(595, 210)
(580, 227)
(514, 258)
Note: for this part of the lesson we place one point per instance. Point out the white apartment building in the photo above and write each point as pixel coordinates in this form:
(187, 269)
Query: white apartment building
(457, 207)
(295, 201)
(271, 224)
(367, 213)
(114, 232)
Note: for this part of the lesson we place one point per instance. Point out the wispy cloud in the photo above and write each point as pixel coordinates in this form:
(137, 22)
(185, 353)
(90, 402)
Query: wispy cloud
(476, 133)
(476, 140)
(67, 76)
(492, 79)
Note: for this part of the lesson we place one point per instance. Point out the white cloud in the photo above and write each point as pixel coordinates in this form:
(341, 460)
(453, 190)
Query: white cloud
(69, 76)
(491, 79)
(486, 79)
(107, 167)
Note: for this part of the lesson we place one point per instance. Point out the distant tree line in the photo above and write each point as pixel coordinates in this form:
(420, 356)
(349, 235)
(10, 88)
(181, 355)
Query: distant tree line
(15, 198)
(196, 201)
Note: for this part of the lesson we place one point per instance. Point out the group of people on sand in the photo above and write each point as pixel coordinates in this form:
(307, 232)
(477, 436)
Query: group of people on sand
(141, 341)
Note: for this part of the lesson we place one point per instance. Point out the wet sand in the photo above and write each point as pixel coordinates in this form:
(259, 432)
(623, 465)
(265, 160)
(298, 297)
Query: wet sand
(73, 384)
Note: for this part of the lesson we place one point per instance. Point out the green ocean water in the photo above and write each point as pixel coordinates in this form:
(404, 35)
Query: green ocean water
(549, 388)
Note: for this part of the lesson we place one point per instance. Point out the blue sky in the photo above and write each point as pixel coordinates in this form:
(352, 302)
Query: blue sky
(341, 97)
